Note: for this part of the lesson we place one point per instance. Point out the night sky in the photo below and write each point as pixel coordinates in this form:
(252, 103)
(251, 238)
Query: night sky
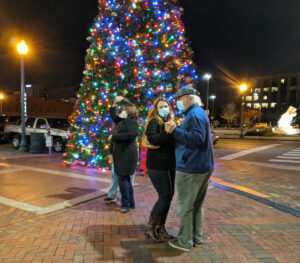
(241, 37)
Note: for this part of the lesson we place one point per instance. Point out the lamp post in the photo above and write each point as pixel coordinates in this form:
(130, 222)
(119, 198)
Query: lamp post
(213, 108)
(242, 88)
(1, 98)
(22, 49)
(207, 76)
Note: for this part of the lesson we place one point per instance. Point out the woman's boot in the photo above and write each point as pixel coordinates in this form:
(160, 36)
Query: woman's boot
(151, 228)
(162, 231)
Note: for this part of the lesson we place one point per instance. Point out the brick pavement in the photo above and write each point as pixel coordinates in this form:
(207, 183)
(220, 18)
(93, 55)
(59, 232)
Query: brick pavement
(279, 186)
(236, 229)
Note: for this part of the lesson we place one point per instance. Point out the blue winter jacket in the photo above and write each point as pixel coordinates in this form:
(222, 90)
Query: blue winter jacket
(194, 149)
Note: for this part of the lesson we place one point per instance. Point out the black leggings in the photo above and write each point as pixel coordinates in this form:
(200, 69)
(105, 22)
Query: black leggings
(163, 182)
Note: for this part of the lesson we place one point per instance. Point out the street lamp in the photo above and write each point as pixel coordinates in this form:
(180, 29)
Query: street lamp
(207, 76)
(242, 88)
(22, 49)
(213, 108)
(1, 98)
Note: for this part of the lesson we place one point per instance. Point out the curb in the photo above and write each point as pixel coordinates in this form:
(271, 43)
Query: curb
(265, 201)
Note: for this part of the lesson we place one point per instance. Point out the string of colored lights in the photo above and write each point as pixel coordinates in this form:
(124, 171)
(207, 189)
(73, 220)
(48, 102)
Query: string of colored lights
(138, 50)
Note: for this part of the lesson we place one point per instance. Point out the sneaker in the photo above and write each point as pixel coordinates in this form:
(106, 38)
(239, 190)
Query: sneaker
(197, 245)
(124, 210)
(109, 200)
(175, 244)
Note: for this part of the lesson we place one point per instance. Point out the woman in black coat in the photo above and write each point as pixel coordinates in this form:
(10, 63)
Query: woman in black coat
(125, 153)
(161, 166)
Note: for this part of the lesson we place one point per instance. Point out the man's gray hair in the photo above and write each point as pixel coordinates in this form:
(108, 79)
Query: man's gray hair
(196, 99)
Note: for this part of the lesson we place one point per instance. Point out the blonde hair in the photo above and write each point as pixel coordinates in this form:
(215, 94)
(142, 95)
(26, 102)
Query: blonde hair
(153, 113)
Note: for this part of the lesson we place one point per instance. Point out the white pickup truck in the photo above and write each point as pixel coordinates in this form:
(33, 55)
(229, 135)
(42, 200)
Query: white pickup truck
(58, 129)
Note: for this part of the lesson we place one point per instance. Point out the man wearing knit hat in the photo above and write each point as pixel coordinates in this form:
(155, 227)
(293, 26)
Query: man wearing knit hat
(195, 163)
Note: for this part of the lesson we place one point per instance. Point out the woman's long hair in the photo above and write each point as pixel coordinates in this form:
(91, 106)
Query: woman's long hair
(153, 113)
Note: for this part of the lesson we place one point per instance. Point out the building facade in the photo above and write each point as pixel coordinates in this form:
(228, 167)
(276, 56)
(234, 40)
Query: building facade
(11, 106)
(52, 93)
(273, 94)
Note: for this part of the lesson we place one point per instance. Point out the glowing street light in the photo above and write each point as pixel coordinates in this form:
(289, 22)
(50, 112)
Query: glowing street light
(243, 88)
(207, 76)
(23, 50)
(1, 98)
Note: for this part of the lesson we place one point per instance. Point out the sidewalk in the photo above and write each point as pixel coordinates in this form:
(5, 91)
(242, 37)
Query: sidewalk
(235, 134)
(236, 228)
(275, 138)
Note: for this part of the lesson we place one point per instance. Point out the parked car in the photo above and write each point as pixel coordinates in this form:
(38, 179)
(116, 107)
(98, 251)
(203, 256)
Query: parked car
(215, 137)
(261, 125)
(57, 127)
(5, 120)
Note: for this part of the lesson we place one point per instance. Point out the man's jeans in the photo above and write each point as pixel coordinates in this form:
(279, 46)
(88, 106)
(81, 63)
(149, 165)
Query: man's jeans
(112, 193)
(191, 189)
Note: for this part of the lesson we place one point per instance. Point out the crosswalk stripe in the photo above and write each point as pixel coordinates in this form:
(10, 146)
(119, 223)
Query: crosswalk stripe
(284, 161)
(288, 157)
(7, 171)
(246, 152)
(292, 154)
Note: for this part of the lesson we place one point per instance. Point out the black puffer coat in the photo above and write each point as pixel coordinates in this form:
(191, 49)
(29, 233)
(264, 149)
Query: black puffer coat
(164, 157)
(125, 151)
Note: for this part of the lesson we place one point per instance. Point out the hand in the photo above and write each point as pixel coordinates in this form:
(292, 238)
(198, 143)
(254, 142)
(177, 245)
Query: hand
(117, 100)
(170, 127)
(109, 137)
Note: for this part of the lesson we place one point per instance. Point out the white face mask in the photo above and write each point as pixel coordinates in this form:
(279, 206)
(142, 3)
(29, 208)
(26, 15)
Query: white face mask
(123, 114)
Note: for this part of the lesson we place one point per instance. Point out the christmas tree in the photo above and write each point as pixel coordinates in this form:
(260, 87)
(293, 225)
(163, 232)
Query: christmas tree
(138, 50)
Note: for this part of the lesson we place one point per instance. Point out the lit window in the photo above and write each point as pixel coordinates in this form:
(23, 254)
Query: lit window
(255, 97)
(274, 89)
(257, 90)
(256, 105)
(282, 81)
(264, 105)
(265, 97)
(249, 105)
(248, 98)
(273, 104)
(266, 89)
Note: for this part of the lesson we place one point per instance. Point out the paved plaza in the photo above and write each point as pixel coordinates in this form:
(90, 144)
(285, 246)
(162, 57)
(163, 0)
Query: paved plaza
(53, 213)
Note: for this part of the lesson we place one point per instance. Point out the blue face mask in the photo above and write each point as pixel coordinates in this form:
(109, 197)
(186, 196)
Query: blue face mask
(164, 112)
(180, 105)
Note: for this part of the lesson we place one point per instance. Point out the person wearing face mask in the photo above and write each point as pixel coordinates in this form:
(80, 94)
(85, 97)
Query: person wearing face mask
(114, 111)
(195, 163)
(161, 167)
(125, 152)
